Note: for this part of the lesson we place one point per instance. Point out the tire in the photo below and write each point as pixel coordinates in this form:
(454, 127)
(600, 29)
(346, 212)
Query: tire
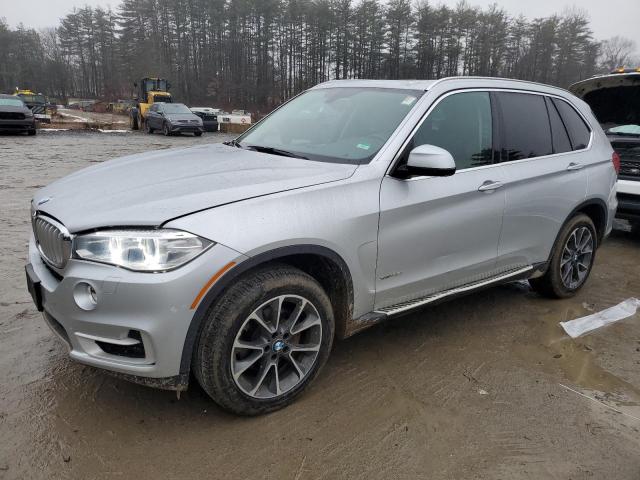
(147, 128)
(165, 129)
(31, 132)
(133, 121)
(578, 261)
(232, 319)
(197, 134)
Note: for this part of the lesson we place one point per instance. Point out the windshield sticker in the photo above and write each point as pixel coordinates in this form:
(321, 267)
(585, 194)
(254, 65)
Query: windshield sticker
(363, 146)
(408, 100)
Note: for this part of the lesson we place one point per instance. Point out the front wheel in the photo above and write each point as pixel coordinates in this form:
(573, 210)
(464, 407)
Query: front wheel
(166, 130)
(571, 259)
(197, 134)
(147, 127)
(264, 340)
(31, 131)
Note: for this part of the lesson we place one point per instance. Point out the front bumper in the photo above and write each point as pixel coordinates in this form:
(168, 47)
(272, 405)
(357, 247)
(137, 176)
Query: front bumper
(186, 128)
(628, 200)
(42, 117)
(135, 312)
(17, 125)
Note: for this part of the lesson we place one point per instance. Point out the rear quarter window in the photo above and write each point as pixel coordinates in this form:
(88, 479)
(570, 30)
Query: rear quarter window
(525, 130)
(561, 142)
(579, 132)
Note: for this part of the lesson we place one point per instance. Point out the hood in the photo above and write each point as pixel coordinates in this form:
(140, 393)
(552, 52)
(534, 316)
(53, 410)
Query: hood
(614, 99)
(175, 117)
(14, 108)
(151, 188)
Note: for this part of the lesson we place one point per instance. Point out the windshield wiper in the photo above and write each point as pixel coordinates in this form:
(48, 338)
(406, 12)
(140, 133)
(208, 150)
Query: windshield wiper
(232, 143)
(275, 151)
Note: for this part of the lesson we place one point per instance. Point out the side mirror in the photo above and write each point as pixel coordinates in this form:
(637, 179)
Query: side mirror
(429, 160)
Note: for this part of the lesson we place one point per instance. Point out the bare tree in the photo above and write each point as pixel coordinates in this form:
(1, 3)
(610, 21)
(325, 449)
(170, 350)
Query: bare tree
(616, 52)
(254, 54)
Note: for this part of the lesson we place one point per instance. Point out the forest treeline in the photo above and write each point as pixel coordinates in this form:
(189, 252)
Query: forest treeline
(255, 53)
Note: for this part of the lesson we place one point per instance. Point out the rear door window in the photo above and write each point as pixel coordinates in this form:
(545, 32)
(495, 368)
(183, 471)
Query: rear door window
(579, 132)
(461, 124)
(525, 130)
(561, 142)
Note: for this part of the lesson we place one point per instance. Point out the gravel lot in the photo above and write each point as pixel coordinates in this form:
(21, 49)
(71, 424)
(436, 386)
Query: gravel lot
(486, 387)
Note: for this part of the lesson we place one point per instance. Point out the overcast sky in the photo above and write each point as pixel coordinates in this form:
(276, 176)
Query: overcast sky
(608, 17)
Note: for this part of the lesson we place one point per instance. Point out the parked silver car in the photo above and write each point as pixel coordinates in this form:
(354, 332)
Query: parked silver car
(354, 202)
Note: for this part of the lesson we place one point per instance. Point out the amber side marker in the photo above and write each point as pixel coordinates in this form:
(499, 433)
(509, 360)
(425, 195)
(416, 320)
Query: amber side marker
(211, 281)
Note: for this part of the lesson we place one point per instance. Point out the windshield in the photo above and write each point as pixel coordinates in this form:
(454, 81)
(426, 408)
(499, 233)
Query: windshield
(32, 98)
(157, 84)
(630, 129)
(175, 108)
(344, 124)
(11, 102)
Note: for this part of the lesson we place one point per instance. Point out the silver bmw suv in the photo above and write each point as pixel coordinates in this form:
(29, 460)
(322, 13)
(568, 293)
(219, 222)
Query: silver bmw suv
(354, 202)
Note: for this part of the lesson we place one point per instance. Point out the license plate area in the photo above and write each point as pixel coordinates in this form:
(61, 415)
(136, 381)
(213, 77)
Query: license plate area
(34, 286)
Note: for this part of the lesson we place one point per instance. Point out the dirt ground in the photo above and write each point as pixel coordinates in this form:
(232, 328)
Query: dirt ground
(485, 387)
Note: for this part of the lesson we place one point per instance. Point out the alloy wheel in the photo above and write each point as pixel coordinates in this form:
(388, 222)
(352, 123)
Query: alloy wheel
(276, 346)
(577, 256)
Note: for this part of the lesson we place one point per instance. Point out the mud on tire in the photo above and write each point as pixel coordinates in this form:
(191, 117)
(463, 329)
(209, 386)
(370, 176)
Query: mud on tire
(227, 320)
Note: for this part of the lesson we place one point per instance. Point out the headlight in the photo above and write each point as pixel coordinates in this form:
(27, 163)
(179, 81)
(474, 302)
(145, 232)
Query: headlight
(140, 250)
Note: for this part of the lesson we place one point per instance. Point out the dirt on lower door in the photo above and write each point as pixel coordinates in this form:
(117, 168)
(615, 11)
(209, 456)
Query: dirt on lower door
(488, 386)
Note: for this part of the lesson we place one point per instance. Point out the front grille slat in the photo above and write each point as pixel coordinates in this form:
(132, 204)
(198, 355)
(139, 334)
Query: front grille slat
(630, 169)
(53, 243)
(11, 116)
(629, 151)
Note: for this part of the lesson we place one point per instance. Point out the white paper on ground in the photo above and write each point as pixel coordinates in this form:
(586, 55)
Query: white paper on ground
(580, 326)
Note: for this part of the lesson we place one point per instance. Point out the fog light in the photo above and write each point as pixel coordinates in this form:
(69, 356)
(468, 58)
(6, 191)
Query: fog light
(85, 296)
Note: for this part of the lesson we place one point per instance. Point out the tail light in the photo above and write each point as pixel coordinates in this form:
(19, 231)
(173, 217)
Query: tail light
(615, 158)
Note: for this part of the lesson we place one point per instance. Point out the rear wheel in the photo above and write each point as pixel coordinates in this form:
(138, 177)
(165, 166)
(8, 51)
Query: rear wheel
(31, 132)
(571, 260)
(133, 121)
(197, 134)
(264, 340)
(147, 127)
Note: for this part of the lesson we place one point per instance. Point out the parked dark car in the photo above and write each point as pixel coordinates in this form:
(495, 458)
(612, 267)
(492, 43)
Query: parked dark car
(209, 117)
(15, 116)
(172, 118)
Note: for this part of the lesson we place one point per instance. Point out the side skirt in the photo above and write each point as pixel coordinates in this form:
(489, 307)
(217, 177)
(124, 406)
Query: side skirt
(380, 314)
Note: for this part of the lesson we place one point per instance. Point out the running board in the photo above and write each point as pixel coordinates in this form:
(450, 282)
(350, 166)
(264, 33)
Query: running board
(405, 306)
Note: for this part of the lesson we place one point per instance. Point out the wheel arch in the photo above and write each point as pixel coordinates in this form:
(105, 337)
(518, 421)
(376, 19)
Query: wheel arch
(322, 263)
(596, 210)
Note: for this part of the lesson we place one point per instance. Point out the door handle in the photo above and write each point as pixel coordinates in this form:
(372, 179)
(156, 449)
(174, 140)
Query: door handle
(489, 186)
(575, 166)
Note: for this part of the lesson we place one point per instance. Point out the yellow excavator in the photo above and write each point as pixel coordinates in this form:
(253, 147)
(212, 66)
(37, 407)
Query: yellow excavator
(149, 91)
